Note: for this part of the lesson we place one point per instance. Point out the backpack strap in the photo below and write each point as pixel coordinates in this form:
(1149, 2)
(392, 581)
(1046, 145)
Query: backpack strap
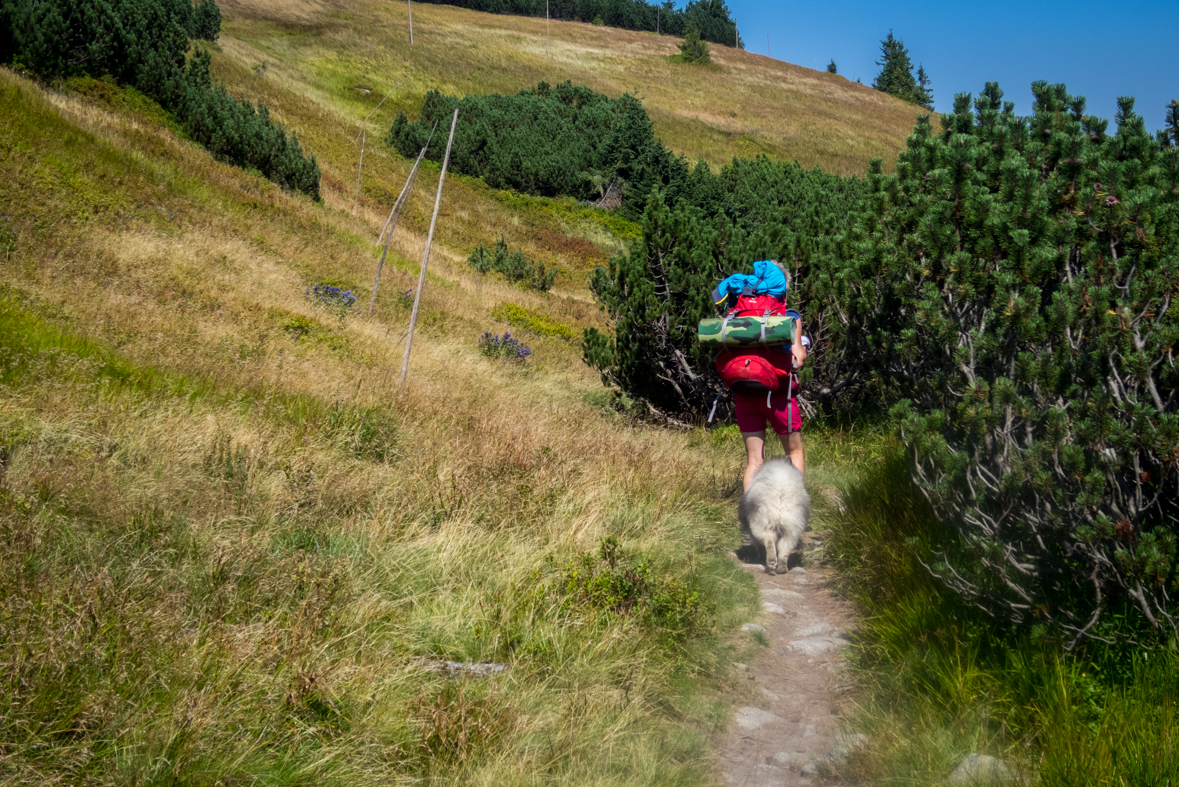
(715, 402)
(789, 401)
(764, 317)
(725, 328)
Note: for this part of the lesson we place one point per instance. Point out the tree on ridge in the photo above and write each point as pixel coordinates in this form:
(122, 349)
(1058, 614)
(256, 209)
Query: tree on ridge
(896, 74)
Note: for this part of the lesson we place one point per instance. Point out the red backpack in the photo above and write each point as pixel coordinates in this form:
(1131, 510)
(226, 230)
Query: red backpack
(755, 370)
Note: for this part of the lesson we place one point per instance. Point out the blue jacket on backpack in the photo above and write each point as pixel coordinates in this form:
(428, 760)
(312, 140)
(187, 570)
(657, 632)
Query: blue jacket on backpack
(767, 279)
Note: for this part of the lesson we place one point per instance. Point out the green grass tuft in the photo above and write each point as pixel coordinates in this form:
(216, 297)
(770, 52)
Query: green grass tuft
(533, 322)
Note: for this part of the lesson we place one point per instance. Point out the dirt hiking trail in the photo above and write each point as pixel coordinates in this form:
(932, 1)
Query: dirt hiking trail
(788, 734)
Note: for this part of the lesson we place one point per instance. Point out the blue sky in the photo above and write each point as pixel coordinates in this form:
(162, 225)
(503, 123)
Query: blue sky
(1100, 50)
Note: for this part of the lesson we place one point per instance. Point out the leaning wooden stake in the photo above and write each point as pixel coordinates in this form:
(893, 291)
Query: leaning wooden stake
(546, 28)
(417, 299)
(392, 217)
(363, 136)
(409, 3)
(395, 214)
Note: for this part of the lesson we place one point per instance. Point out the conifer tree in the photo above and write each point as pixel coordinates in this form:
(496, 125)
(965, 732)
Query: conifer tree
(692, 48)
(924, 92)
(831, 67)
(896, 74)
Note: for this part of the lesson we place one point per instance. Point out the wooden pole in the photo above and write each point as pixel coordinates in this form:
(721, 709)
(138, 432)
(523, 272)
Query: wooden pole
(546, 28)
(362, 137)
(768, 46)
(413, 317)
(410, 4)
(359, 169)
(396, 214)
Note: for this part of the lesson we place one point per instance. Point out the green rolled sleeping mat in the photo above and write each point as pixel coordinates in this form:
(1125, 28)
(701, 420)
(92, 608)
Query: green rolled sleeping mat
(746, 331)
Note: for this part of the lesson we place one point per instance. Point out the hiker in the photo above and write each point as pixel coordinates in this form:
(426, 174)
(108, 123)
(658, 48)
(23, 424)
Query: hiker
(753, 412)
(770, 398)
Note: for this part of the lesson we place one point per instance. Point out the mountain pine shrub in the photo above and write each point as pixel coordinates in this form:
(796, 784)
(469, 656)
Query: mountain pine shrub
(143, 43)
(1016, 281)
(513, 265)
(548, 141)
(205, 22)
(1011, 289)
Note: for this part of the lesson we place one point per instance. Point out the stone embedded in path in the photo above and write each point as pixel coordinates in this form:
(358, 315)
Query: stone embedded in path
(771, 607)
(755, 718)
(754, 628)
(982, 769)
(816, 646)
(782, 594)
(821, 629)
(794, 572)
(787, 759)
(768, 775)
(845, 746)
(462, 668)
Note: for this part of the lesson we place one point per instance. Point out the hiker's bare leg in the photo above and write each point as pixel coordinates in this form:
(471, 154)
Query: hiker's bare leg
(792, 445)
(755, 452)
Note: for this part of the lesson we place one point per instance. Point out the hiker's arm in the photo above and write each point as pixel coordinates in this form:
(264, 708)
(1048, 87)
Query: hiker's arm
(797, 348)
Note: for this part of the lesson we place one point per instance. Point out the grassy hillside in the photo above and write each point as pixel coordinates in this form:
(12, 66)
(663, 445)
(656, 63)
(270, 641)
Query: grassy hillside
(233, 554)
(742, 105)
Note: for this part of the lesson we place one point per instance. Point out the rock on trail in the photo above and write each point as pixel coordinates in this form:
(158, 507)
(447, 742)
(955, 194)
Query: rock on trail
(790, 729)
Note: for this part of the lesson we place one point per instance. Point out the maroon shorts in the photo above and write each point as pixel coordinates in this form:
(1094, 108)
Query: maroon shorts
(753, 412)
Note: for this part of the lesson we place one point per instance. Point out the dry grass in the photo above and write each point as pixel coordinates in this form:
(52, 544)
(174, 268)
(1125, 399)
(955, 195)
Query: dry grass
(229, 544)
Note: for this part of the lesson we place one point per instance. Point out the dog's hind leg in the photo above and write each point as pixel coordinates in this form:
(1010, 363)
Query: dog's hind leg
(784, 546)
(771, 545)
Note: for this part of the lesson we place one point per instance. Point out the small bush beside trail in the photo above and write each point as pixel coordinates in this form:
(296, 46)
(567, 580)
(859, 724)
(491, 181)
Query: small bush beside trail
(335, 299)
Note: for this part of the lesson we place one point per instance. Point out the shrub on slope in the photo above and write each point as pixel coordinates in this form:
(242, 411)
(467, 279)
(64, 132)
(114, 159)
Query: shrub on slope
(547, 141)
(143, 43)
(1017, 280)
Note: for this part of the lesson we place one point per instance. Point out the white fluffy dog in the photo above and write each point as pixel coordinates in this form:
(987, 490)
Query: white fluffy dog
(774, 511)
